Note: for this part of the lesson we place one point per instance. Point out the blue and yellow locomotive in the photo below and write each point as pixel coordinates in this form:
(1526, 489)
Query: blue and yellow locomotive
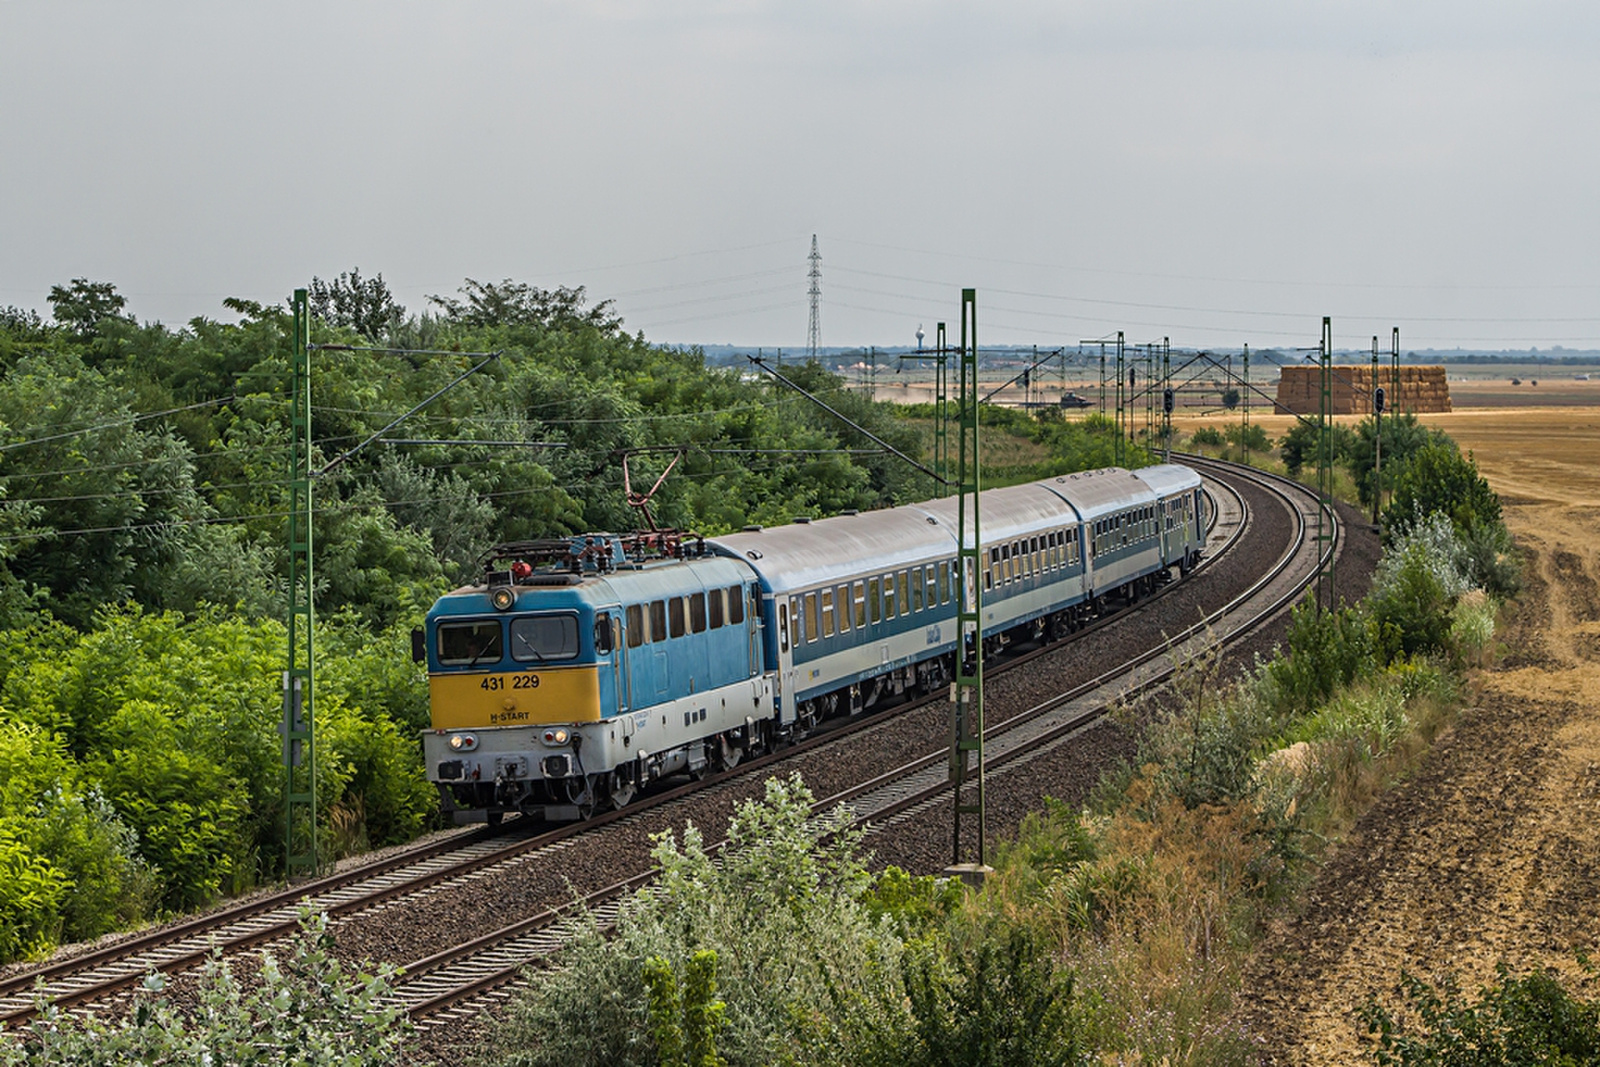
(576, 671)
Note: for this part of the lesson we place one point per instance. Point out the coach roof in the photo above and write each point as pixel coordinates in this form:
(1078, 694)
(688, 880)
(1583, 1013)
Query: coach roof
(802, 555)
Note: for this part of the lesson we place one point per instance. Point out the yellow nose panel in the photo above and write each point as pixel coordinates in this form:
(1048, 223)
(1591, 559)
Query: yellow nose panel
(521, 698)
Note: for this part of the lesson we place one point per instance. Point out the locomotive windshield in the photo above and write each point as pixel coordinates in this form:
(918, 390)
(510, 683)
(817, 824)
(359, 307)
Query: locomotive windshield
(469, 643)
(538, 638)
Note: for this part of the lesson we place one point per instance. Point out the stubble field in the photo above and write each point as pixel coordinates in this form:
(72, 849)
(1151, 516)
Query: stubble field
(1492, 852)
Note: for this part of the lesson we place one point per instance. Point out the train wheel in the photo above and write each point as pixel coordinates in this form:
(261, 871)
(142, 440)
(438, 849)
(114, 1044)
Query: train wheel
(806, 720)
(588, 801)
(619, 791)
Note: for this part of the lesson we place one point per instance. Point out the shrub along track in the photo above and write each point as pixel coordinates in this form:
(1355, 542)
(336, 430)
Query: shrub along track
(1491, 852)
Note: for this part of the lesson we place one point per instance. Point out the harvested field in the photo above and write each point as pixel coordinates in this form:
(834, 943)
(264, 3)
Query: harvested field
(1492, 852)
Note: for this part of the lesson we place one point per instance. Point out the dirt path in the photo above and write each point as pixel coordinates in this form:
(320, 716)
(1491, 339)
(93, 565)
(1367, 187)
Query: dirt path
(1492, 852)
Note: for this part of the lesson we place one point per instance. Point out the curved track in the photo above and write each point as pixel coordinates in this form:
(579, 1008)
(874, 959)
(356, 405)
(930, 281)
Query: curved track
(448, 982)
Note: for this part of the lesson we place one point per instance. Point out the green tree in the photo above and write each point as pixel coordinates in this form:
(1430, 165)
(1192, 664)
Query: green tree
(512, 303)
(1299, 447)
(1438, 478)
(81, 306)
(350, 301)
(1403, 437)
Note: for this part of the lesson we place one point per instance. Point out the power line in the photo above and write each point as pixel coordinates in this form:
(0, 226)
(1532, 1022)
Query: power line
(966, 258)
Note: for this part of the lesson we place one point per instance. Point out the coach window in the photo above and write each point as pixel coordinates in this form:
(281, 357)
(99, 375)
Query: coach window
(874, 603)
(697, 613)
(811, 616)
(783, 627)
(861, 604)
(842, 601)
(930, 585)
(944, 581)
(658, 620)
(635, 625)
(675, 616)
(915, 579)
(714, 609)
(888, 597)
(827, 613)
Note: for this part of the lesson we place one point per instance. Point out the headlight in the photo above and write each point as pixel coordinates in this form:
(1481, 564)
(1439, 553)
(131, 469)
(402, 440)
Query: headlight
(503, 598)
(463, 742)
(555, 737)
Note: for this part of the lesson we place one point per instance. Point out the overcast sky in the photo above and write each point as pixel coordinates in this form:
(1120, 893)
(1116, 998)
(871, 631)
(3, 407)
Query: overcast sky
(1217, 173)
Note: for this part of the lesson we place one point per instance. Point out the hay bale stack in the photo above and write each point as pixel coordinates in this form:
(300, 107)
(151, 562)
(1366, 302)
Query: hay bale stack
(1421, 389)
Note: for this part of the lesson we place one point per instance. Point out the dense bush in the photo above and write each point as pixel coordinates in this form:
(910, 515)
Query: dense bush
(1439, 479)
(1085, 444)
(1251, 437)
(1414, 592)
(309, 1010)
(780, 912)
(1402, 437)
(784, 950)
(1300, 447)
(1325, 651)
(140, 764)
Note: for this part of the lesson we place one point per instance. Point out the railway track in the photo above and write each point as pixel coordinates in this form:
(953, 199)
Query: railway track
(449, 987)
(443, 985)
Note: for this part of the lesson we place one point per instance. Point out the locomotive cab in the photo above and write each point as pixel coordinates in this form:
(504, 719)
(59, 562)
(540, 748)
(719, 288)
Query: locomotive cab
(560, 687)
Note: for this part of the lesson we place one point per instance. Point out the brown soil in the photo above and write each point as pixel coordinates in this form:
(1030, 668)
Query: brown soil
(1492, 851)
